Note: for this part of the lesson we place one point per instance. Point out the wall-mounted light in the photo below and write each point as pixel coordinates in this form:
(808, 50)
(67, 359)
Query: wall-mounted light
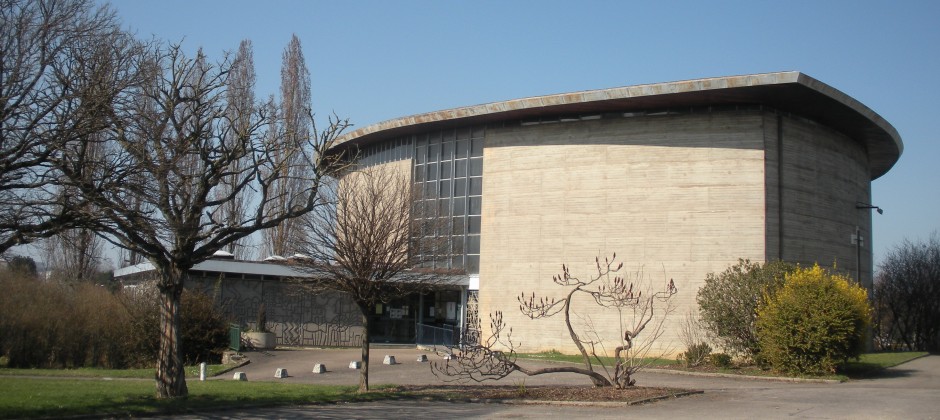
(861, 205)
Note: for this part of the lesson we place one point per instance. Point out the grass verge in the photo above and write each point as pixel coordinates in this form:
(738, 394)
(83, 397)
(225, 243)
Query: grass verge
(146, 373)
(556, 356)
(56, 397)
(867, 365)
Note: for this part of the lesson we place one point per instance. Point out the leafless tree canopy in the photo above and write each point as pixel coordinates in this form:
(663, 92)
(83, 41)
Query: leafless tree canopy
(293, 126)
(64, 66)
(172, 160)
(363, 243)
(495, 357)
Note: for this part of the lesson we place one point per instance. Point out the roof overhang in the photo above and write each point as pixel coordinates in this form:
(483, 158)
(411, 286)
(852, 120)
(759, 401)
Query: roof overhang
(791, 92)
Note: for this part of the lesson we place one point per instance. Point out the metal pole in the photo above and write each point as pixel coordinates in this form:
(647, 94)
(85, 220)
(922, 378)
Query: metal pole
(858, 255)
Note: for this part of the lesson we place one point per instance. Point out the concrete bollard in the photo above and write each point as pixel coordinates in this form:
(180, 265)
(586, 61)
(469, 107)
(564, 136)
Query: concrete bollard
(423, 358)
(240, 376)
(319, 368)
(202, 371)
(280, 373)
(355, 364)
(389, 360)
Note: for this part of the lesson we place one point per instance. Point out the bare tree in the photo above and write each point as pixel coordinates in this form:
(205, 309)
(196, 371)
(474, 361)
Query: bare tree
(64, 64)
(365, 244)
(74, 254)
(241, 106)
(294, 122)
(495, 357)
(171, 152)
(907, 297)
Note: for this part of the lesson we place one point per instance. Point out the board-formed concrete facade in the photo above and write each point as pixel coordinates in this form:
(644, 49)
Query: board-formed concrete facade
(678, 179)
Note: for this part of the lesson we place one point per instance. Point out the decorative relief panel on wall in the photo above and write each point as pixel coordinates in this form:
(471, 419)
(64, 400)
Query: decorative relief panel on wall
(296, 317)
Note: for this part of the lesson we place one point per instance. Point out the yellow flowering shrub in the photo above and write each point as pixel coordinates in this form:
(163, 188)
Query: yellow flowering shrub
(815, 322)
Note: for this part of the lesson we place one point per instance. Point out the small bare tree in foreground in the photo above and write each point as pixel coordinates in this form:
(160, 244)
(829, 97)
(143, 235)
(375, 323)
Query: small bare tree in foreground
(367, 244)
(495, 357)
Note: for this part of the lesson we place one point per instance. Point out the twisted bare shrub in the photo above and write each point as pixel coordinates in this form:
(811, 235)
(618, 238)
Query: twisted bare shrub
(495, 357)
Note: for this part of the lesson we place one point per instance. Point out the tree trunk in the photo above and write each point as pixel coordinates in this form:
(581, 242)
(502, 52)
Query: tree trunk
(364, 372)
(171, 375)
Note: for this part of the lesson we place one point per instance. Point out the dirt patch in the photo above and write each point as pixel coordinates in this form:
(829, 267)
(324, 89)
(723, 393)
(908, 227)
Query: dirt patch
(630, 395)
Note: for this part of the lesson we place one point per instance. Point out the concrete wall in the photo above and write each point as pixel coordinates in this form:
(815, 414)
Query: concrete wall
(824, 175)
(675, 196)
(296, 317)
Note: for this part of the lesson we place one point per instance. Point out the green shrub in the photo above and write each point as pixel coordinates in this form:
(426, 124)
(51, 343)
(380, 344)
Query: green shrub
(720, 360)
(816, 321)
(729, 300)
(695, 355)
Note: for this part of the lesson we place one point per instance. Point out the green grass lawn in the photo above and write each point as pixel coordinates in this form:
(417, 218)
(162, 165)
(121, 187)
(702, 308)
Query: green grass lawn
(146, 373)
(56, 397)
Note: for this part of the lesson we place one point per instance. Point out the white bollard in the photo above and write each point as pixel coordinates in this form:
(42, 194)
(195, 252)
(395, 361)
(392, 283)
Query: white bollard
(355, 364)
(240, 376)
(319, 368)
(423, 358)
(280, 373)
(202, 371)
(389, 360)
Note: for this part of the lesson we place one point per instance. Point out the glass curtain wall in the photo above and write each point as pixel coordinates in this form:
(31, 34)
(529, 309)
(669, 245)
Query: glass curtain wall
(448, 170)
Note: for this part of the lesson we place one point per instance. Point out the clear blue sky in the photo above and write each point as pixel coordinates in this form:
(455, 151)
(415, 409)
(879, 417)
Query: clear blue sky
(376, 60)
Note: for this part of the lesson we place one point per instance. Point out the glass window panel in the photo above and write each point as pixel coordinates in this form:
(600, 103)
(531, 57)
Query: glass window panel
(463, 133)
(419, 173)
(434, 152)
(447, 150)
(463, 147)
(448, 135)
(473, 244)
(456, 261)
(478, 132)
(422, 140)
(473, 224)
(432, 171)
(458, 244)
(460, 168)
(443, 207)
(476, 186)
(476, 206)
(456, 226)
(446, 169)
(460, 187)
(445, 188)
(434, 138)
(476, 148)
(459, 206)
(430, 189)
(476, 167)
(472, 264)
(421, 154)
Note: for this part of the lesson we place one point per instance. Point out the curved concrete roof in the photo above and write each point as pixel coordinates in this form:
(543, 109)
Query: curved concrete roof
(786, 91)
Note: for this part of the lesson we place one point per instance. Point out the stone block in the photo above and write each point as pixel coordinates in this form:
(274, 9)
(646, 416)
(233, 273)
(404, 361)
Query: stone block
(423, 358)
(280, 373)
(240, 376)
(355, 364)
(319, 368)
(389, 360)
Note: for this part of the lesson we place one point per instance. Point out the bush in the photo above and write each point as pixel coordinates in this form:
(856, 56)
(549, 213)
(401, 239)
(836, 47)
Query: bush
(728, 303)
(720, 360)
(815, 322)
(695, 355)
(907, 292)
(55, 325)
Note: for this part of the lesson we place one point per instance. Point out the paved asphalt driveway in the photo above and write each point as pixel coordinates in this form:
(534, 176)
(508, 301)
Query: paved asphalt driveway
(909, 391)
